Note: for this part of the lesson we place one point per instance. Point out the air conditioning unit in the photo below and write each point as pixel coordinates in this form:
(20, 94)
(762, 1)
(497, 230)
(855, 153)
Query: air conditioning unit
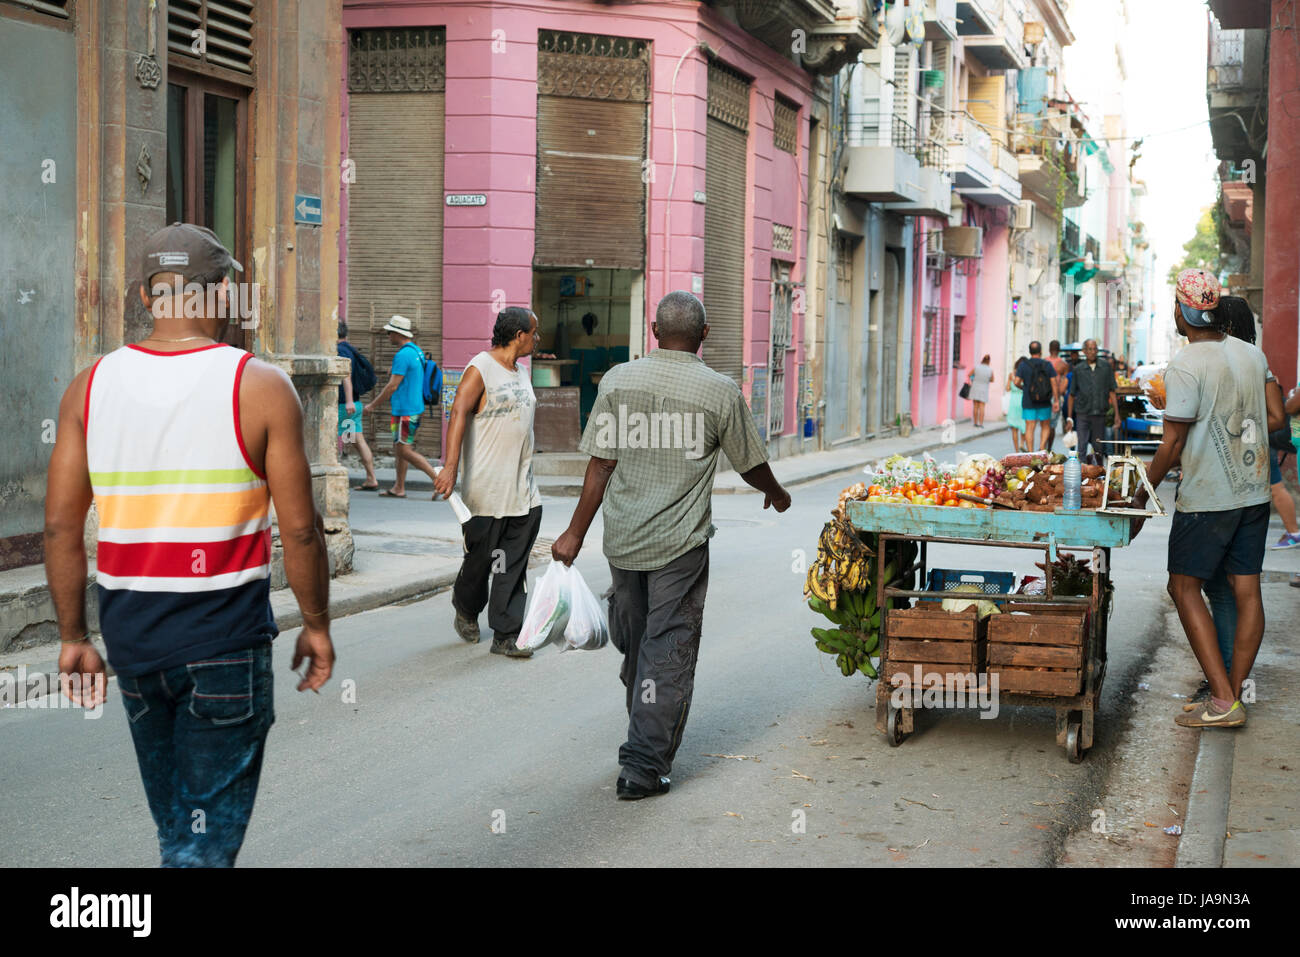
(936, 263)
(934, 242)
(965, 242)
(1025, 214)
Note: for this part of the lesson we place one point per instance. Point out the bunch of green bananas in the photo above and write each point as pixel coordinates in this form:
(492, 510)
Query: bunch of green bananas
(857, 638)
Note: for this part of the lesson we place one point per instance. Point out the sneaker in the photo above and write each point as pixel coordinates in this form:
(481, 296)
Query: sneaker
(1289, 540)
(1202, 693)
(467, 628)
(507, 647)
(1208, 716)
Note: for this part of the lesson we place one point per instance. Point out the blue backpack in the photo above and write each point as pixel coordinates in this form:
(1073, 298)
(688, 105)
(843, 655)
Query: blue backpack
(432, 377)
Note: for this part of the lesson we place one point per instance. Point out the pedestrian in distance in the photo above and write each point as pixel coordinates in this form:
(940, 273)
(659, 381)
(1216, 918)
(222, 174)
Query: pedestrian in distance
(981, 377)
(1058, 401)
(1037, 380)
(490, 443)
(658, 521)
(1015, 408)
(405, 393)
(184, 442)
(1216, 414)
(1092, 391)
(359, 380)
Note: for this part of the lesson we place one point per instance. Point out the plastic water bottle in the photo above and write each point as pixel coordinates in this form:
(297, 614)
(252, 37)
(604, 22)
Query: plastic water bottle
(1073, 482)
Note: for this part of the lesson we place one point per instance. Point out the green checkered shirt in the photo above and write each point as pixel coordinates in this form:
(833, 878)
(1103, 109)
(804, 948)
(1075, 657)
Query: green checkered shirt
(664, 418)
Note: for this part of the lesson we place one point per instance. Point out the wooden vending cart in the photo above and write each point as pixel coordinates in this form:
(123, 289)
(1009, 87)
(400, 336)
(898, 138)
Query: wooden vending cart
(1047, 650)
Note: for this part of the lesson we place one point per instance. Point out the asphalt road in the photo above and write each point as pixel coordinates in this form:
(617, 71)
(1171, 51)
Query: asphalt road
(444, 741)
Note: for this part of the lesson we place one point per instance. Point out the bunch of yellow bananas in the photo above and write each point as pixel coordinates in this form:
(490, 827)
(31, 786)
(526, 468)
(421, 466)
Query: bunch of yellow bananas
(843, 564)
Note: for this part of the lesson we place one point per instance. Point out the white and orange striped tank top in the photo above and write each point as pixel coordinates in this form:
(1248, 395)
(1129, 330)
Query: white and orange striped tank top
(184, 555)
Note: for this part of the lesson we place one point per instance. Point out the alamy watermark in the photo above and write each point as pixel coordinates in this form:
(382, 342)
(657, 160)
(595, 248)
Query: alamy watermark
(651, 430)
(21, 688)
(952, 689)
(237, 300)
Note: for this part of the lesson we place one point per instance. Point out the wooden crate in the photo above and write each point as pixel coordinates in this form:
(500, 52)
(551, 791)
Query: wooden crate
(928, 620)
(1041, 652)
(1065, 682)
(941, 643)
(1045, 624)
(932, 671)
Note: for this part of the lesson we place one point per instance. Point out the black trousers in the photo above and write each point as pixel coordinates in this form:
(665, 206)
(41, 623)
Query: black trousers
(496, 559)
(1089, 429)
(655, 620)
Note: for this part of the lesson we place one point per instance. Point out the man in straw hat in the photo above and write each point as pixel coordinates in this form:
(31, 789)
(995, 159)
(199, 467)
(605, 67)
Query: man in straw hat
(406, 387)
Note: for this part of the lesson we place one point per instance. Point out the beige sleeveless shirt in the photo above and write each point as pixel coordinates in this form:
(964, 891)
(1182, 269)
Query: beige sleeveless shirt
(496, 466)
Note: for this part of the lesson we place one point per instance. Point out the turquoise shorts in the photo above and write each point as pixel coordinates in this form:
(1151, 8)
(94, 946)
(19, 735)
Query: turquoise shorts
(1038, 415)
(349, 424)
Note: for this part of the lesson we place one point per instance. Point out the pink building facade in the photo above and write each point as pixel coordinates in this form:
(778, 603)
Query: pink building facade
(490, 144)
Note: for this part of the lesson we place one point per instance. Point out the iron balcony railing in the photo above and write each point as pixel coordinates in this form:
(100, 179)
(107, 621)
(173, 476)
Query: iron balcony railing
(901, 135)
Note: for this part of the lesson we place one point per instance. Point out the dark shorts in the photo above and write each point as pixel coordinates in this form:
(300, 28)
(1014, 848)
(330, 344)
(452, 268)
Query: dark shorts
(1274, 472)
(1200, 541)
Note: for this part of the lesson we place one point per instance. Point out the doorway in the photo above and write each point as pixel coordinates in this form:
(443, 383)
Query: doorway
(207, 171)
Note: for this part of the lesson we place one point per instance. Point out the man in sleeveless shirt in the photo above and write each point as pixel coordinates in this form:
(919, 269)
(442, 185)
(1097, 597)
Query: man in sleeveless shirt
(183, 443)
(490, 442)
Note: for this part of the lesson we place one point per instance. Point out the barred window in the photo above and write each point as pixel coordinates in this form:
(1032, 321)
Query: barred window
(785, 131)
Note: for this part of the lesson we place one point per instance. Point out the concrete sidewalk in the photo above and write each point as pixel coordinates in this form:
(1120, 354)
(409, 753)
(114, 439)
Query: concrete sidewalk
(793, 470)
(1244, 807)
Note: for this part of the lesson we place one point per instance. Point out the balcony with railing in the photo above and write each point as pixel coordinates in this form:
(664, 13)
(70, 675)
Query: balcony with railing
(890, 162)
(970, 151)
(1048, 157)
(941, 20)
(1236, 82)
(1002, 47)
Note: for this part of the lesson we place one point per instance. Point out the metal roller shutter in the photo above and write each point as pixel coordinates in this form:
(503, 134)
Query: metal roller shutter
(395, 234)
(590, 194)
(592, 101)
(724, 221)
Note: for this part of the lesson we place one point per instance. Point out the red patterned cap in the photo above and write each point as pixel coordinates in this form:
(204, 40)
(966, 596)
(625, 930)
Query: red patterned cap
(1198, 293)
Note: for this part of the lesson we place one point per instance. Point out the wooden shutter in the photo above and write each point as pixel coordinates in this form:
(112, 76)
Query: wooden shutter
(988, 96)
(227, 37)
(395, 210)
(592, 101)
(724, 220)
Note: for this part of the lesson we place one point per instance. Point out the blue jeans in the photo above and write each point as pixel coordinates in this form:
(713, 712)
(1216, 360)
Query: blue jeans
(1223, 606)
(200, 733)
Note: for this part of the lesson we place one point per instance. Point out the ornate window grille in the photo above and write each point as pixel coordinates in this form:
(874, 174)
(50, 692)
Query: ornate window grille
(593, 67)
(403, 60)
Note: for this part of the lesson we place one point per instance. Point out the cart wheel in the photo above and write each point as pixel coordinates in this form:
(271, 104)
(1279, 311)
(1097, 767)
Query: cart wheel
(894, 727)
(1074, 742)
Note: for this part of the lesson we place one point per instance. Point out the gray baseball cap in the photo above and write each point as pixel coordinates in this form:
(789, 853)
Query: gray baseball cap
(187, 250)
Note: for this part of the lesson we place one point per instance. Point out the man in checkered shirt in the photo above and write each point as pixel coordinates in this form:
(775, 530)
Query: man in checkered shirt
(653, 437)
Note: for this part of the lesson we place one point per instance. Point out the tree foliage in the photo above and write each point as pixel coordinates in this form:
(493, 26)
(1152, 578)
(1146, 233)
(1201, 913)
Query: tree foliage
(1202, 250)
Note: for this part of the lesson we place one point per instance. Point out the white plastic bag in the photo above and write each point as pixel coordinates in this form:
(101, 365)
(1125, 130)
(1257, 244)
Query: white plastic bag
(588, 627)
(548, 608)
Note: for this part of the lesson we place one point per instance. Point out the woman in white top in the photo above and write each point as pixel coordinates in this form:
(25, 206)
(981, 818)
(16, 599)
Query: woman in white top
(981, 377)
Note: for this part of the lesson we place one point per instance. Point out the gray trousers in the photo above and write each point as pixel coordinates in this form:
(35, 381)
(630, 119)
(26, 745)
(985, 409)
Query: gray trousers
(1090, 428)
(655, 620)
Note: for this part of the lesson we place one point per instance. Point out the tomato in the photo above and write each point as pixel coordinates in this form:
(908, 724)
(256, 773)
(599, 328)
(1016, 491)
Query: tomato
(875, 490)
(942, 491)
(929, 483)
(982, 490)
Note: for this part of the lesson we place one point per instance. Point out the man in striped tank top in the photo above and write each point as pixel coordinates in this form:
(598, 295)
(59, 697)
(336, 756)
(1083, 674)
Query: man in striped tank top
(183, 443)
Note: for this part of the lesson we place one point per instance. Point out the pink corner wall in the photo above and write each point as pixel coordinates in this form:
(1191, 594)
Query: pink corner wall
(491, 137)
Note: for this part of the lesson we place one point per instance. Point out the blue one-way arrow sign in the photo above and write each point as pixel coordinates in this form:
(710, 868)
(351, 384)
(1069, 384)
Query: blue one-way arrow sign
(306, 209)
